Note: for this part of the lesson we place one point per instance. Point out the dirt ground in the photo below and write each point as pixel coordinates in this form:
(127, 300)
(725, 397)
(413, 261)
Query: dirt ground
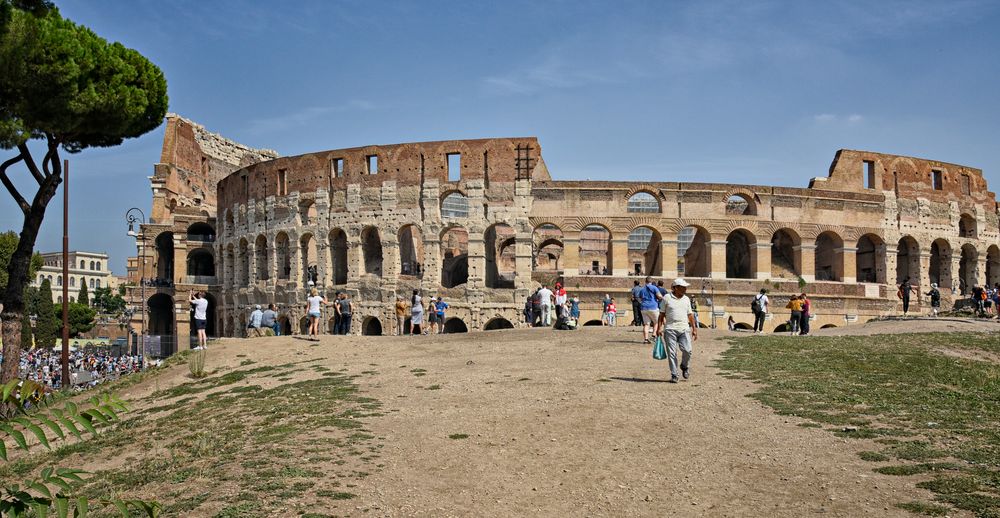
(583, 423)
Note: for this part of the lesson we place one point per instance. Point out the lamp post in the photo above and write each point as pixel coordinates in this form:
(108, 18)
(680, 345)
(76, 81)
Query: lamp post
(131, 218)
(711, 301)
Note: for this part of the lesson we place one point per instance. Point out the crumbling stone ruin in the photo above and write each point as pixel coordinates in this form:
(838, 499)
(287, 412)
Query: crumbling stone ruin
(482, 223)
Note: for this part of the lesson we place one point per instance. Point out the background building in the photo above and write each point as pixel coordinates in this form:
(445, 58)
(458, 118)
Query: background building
(90, 268)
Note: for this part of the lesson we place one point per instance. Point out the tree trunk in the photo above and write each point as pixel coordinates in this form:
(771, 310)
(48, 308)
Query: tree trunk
(20, 262)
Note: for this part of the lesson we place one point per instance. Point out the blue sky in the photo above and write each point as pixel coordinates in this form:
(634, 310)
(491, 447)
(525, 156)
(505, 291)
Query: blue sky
(750, 92)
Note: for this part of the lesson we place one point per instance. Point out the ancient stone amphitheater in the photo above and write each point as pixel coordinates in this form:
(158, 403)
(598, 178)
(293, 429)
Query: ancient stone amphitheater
(482, 223)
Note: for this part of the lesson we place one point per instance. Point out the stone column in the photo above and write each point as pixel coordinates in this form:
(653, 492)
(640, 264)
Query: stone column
(477, 258)
(251, 260)
(324, 272)
(522, 260)
(717, 250)
(180, 259)
(883, 273)
(431, 262)
(668, 254)
(619, 256)
(763, 255)
(272, 260)
(390, 256)
(923, 276)
(891, 264)
(848, 256)
(807, 250)
(953, 277)
(182, 319)
(570, 259)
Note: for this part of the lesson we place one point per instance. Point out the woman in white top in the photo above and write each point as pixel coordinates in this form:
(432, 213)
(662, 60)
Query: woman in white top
(416, 314)
(313, 303)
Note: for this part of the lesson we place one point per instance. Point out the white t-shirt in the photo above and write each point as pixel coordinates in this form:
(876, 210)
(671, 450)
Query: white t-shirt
(200, 309)
(314, 303)
(763, 302)
(677, 311)
(561, 299)
(545, 296)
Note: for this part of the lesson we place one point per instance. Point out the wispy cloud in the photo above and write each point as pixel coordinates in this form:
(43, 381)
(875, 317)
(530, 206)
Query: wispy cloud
(305, 116)
(832, 118)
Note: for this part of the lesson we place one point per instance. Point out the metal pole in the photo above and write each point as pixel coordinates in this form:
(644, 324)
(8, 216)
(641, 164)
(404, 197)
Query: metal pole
(65, 285)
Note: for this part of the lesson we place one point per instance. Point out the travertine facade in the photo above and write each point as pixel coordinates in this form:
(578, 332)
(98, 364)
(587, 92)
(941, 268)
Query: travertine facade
(481, 222)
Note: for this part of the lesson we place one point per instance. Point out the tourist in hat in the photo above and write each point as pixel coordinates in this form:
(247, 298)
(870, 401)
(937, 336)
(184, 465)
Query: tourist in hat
(676, 320)
(313, 303)
(935, 296)
(253, 326)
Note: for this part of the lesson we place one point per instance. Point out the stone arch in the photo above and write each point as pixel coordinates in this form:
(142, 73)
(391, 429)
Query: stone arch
(596, 323)
(309, 255)
(454, 204)
(786, 253)
(411, 251)
(595, 250)
(455, 325)
(741, 254)
(968, 269)
(967, 226)
(454, 256)
(165, 256)
(645, 246)
(161, 315)
(694, 255)
(371, 326)
(338, 256)
(200, 231)
(742, 326)
(783, 328)
(643, 201)
(283, 256)
(498, 240)
(907, 260)
(993, 265)
(307, 212)
(829, 257)
(547, 247)
(870, 259)
(828, 326)
(200, 263)
(498, 323)
(940, 266)
(371, 248)
(244, 262)
(261, 258)
(741, 202)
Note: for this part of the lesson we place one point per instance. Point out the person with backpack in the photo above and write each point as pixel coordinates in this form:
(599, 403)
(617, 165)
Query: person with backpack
(759, 308)
(935, 296)
(903, 293)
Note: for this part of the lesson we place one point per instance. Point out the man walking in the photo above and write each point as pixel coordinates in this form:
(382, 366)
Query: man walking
(648, 304)
(905, 289)
(676, 319)
(200, 305)
(545, 303)
(759, 308)
(636, 301)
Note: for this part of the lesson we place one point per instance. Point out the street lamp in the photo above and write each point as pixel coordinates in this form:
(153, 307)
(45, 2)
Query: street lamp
(131, 218)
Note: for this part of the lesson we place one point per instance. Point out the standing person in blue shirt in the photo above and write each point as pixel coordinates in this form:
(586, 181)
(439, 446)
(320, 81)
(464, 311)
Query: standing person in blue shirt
(440, 306)
(649, 306)
(636, 294)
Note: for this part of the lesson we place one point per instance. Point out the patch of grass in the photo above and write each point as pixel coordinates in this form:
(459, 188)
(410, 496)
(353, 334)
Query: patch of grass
(434, 387)
(924, 508)
(890, 387)
(458, 436)
(244, 363)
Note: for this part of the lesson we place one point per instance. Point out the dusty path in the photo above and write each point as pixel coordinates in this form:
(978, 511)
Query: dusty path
(582, 423)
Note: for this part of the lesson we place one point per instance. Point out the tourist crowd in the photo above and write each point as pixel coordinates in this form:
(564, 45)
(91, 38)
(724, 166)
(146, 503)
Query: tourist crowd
(87, 368)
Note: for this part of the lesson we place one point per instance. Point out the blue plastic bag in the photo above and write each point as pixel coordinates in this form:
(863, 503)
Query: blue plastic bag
(659, 352)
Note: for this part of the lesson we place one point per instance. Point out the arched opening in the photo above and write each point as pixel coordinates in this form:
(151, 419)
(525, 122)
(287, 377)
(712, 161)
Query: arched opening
(644, 251)
(338, 256)
(940, 267)
(547, 245)
(228, 266)
(786, 254)
(286, 326)
(783, 328)
(371, 247)
(498, 323)
(230, 224)
(261, 258)
(455, 325)
(694, 258)
(593, 323)
(371, 326)
(740, 205)
(993, 265)
(827, 326)
(165, 256)
(967, 274)
(907, 260)
(307, 212)
(829, 257)
(200, 263)
(283, 256)
(161, 315)
(870, 259)
(411, 251)
(308, 253)
(643, 202)
(499, 244)
(741, 257)
(200, 231)
(244, 263)
(454, 257)
(967, 227)
(595, 250)
(742, 326)
(454, 205)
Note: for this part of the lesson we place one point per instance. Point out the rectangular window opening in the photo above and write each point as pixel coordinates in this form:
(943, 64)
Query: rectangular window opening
(938, 180)
(869, 172)
(966, 184)
(282, 182)
(454, 167)
(337, 167)
(371, 162)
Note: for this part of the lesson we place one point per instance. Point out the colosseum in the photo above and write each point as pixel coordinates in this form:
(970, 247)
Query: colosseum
(482, 223)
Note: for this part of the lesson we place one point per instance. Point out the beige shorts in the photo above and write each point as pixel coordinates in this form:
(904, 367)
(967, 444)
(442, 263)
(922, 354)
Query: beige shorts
(649, 316)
